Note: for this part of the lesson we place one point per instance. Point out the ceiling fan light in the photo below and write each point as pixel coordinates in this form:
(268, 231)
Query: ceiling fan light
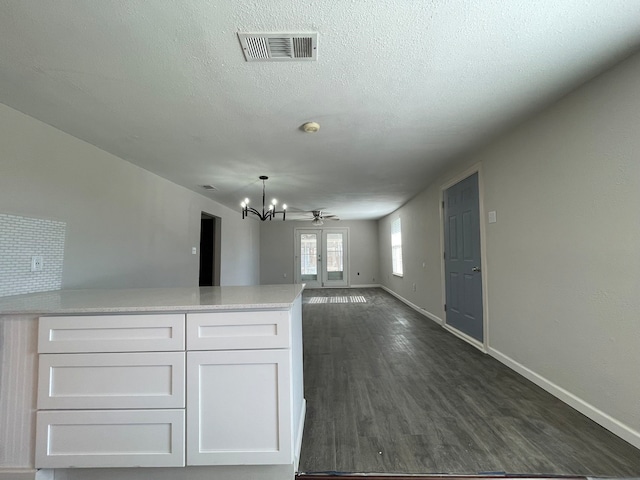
(317, 222)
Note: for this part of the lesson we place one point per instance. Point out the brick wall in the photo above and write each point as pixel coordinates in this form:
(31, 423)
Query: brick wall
(20, 239)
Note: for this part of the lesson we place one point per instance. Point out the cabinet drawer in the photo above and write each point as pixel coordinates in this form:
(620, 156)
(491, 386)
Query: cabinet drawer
(117, 438)
(111, 380)
(111, 333)
(238, 330)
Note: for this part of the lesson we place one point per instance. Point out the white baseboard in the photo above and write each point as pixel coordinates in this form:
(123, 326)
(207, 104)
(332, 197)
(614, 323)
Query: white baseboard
(615, 426)
(418, 309)
(472, 341)
(467, 338)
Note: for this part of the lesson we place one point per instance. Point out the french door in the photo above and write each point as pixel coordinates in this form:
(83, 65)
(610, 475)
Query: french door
(321, 257)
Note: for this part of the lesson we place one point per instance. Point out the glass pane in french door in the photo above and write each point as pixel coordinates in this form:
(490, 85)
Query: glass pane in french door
(335, 256)
(309, 257)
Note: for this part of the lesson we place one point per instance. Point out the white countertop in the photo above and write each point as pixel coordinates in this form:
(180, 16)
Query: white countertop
(151, 300)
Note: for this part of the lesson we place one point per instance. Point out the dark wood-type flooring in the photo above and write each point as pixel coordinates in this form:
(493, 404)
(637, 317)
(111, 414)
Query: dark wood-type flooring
(390, 391)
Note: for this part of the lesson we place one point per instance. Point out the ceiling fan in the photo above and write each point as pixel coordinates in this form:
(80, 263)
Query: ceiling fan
(319, 217)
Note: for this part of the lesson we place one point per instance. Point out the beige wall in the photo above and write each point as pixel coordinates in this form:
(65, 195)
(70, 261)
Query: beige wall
(277, 250)
(126, 227)
(562, 262)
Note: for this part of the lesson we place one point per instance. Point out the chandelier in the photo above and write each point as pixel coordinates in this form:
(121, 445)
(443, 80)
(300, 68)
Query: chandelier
(267, 213)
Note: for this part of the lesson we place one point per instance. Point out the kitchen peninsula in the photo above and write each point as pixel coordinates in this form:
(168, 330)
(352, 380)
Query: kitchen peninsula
(190, 382)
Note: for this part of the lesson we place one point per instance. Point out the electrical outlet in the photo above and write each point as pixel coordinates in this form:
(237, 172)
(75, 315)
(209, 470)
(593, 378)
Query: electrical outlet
(36, 263)
(284, 275)
(414, 287)
(194, 251)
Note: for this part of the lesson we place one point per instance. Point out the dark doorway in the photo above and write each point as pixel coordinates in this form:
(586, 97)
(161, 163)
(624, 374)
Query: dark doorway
(209, 250)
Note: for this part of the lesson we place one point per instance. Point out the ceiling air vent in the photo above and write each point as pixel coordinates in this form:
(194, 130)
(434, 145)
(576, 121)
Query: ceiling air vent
(279, 47)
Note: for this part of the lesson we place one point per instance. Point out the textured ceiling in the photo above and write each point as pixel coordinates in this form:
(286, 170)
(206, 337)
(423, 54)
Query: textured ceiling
(400, 87)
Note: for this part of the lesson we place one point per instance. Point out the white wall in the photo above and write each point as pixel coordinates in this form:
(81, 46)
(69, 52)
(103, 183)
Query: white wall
(126, 227)
(420, 220)
(563, 260)
(277, 250)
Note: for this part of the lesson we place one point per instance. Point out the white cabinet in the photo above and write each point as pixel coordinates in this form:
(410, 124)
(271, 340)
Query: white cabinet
(111, 409)
(239, 408)
(113, 389)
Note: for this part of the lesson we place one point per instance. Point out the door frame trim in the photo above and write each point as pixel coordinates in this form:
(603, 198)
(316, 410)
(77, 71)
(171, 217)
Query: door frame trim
(475, 168)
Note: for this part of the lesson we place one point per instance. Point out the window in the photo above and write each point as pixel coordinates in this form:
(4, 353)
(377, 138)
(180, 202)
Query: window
(396, 248)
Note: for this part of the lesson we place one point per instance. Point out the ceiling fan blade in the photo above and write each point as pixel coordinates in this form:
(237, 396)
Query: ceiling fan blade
(295, 209)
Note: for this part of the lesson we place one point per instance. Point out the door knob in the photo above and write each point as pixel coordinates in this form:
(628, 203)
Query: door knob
(475, 269)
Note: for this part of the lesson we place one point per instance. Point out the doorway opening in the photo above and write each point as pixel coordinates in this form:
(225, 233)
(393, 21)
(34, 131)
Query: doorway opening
(210, 250)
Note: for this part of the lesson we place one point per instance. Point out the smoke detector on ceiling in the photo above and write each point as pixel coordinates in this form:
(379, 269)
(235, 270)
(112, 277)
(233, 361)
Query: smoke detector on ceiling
(279, 47)
(311, 127)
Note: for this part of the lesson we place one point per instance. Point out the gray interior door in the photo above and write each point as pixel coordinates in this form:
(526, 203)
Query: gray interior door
(462, 258)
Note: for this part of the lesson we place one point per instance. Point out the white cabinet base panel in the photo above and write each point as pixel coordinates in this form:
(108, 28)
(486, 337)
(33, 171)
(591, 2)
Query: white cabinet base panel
(232, 472)
(103, 438)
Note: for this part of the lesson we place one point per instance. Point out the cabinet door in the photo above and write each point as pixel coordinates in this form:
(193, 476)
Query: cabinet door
(239, 407)
(110, 438)
(111, 380)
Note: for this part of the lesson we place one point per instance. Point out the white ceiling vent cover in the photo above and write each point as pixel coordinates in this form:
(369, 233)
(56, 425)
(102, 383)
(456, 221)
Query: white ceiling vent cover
(279, 47)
